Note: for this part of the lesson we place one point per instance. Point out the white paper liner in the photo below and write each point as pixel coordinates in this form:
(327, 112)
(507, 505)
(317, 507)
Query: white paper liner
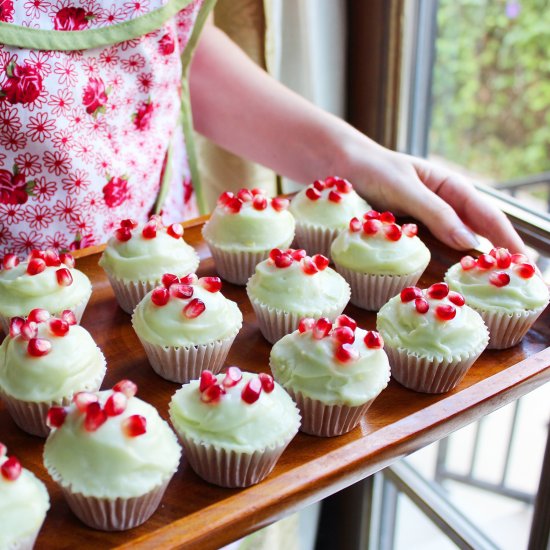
(129, 293)
(371, 292)
(315, 239)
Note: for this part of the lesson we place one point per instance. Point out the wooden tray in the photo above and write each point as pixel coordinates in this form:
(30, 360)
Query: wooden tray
(195, 514)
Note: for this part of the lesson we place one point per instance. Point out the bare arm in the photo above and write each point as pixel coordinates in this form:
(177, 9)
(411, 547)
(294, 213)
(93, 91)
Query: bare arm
(244, 110)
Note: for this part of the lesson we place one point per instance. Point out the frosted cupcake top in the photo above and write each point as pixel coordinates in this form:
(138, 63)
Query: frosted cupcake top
(375, 244)
(144, 253)
(291, 281)
(337, 364)
(24, 501)
(47, 358)
(328, 203)
(187, 311)
(47, 280)
(237, 410)
(433, 323)
(110, 444)
(249, 221)
(498, 281)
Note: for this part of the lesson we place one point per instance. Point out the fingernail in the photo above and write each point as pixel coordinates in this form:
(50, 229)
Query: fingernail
(464, 238)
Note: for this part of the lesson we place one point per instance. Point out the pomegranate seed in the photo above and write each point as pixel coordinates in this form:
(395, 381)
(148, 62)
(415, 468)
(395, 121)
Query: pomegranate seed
(320, 261)
(525, 270)
(67, 259)
(234, 205)
(190, 279)
(467, 263)
(308, 266)
(333, 196)
(38, 315)
(52, 258)
(371, 215)
(58, 327)
(373, 340)
(268, 385)
(284, 260)
(11, 469)
(69, 316)
(387, 217)
(212, 394)
(175, 230)
(343, 186)
(410, 293)
(485, 261)
(445, 312)
(438, 291)
(130, 223)
(182, 291)
(38, 347)
(233, 376)
(194, 308)
(456, 298)
(127, 387)
(225, 197)
(156, 220)
(257, 191)
(298, 254)
(35, 253)
(15, 326)
(343, 335)
(355, 225)
(346, 321)
(305, 324)
(345, 353)
(206, 380)
(83, 398)
(168, 279)
(318, 185)
(499, 278)
(279, 204)
(36, 266)
(421, 305)
(134, 425)
(519, 258)
(56, 417)
(212, 284)
(95, 417)
(29, 330)
(245, 195)
(64, 277)
(410, 229)
(10, 261)
(331, 181)
(322, 327)
(160, 296)
(149, 230)
(259, 202)
(123, 234)
(502, 256)
(116, 404)
(251, 391)
(274, 254)
(3, 450)
(392, 232)
(371, 226)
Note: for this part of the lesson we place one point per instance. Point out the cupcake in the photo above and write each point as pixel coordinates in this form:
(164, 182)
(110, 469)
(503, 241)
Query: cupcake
(46, 280)
(332, 372)
(504, 289)
(186, 326)
(233, 426)
(289, 286)
(431, 337)
(136, 257)
(322, 210)
(44, 361)
(112, 456)
(243, 229)
(24, 502)
(378, 258)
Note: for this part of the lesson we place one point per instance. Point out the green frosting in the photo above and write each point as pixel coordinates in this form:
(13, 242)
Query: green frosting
(21, 292)
(378, 255)
(106, 463)
(307, 365)
(290, 289)
(425, 335)
(23, 506)
(140, 259)
(168, 326)
(520, 294)
(250, 229)
(326, 213)
(73, 364)
(230, 422)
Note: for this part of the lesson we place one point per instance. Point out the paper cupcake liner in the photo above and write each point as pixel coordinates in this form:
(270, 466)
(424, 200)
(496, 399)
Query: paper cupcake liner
(315, 239)
(371, 292)
(129, 293)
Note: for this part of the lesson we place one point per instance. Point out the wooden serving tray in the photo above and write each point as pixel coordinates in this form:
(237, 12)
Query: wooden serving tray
(195, 514)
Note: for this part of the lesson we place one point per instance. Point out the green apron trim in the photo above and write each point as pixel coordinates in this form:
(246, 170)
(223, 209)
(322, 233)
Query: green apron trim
(165, 183)
(38, 39)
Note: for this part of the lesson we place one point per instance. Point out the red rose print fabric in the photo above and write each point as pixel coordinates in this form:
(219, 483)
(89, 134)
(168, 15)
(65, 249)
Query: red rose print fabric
(84, 135)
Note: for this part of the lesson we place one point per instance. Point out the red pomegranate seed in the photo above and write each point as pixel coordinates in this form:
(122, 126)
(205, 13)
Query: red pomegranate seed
(29, 330)
(245, 195)
(309, 267)
(38, 315)
(373, 340)
(123, 234)
(274, 254)
(182, 291)
(320, 261)
(279, 204)
(318, 185)
(168, 279)
(445, 312)
(355, 225)
(35, 253)
(410, 229)
(15, 326)
(10, 261)
(331, 181)
(519, 258)
(421, 305)
(525, 270)
(343, 186)
(284, 260)
(467, 263)
(387, 217)
(194, 308)
(346, 321)
(225, 197)
(499, 278)
(392, 232)
(410, 293)
(212, 394)
(69, 316)
(233, 376)
(52, 258)
(56, 416)
(346, 353)
(83, 398)
(3, 450)
(149, 230)
(343, 335)
(116, 404)
(64, 277)
(268, 385)
(11, 469)
(36, 266)
(334, 196)
(212, 284)
(438, 291)
(371, 226)
(190, 279)
(234, 205)
(252, 390)
(95, 417)
(160, 296)
(485, 261)
(322, 327)
(130, 223)
(502, 256)
(175, 230)
(259, 202)
(456, 298)
(206, 380)
(257, 191)
(127, 387)
(38, 347)
(298, 254)
(305, 324)
(58, 327)
(67, 259)
(371, 215)
(134, 425)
